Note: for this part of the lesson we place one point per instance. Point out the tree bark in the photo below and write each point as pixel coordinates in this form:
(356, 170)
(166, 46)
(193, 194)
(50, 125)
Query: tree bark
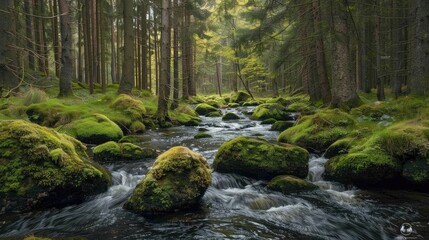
(8, 61)
(66, 49)
(162, 113)
(28, 6)
(127, 81)
(343, 86)
(175, 18)
(420, 81)
(56, 42)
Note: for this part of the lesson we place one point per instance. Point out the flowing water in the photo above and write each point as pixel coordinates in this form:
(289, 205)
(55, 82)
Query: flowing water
(234, 207)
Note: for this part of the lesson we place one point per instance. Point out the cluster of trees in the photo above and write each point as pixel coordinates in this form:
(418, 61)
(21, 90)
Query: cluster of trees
(328, 49)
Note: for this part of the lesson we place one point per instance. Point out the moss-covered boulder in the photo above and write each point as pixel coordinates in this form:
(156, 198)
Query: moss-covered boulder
(253, 102)
(41, 168)
(416, 172)
(281, 125)
(233, 105)
(317, 132)
(52, 113)
(112, 151)
(268, 121)
(187, 120)
(240, 97)
(304, 108)
(214, 114)
(289, 184)
(202, 135)
(125, 102)
(257, 158)
(176, 181)
(271, 110)
(137, 127)
(339, 147)
(230, 116)
(369, 168)
(204, 109)
(95, 129)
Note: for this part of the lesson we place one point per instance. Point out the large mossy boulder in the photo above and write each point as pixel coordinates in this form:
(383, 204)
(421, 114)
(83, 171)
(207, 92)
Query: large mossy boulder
(95, 129)
(240, 97)
(112, 151)
(257, 158)
(41, 168)
(290, 184)
(52, 113)
(271, 110)
(230, 116)
(205, 109)
(281, 125)
(185, 115)
(125, 102)
(176, 181)
(317, 132)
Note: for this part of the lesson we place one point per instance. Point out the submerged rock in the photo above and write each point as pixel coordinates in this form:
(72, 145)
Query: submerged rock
(95, 129)
(257, 158)
(202, 135)
(41, 168)
(289, 184)
(112, 151)
(176, 181)
(230, 116)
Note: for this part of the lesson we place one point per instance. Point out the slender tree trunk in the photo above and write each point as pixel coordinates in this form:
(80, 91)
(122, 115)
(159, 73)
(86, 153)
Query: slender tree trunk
(380, 81)
(66, 49)
(102, 47)
(419, 84)
(28, 6)
(144, 46)
(162, 113)
(127, 81)
(185, 53)
(8, 61)
(79, 43)
(175, 24)
(112, 47)
(56, 42)
(343, 87)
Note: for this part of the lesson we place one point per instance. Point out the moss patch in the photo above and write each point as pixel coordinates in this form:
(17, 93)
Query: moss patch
(230, 116)
(271, 110)
(95, 129)
(204, 109)
(177, 180)
(288, 184)
(42, 168)
(112, 151)
(255, 157)
(282, 125)
(202, 135)
(240, 97)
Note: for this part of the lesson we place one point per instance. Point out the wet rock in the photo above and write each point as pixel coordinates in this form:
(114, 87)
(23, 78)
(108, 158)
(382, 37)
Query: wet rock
(41, 168)
(271, 110)
(202, 135)
(257, 158)
(112, 151)
(176, 181)
(205, 109)
(214, 114)
(230, 116)
(268, 121)
(289, 184)
(240, 97)
(281, 125)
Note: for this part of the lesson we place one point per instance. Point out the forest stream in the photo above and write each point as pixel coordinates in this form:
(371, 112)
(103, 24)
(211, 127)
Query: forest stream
(234, 207)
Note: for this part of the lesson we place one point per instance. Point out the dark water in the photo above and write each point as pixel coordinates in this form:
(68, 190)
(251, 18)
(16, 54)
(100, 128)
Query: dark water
(234, 207)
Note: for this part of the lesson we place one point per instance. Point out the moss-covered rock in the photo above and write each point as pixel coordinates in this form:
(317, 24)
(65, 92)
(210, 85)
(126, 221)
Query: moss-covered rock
(268, 121)
(281, 125)
(40, 168)
(240, 97)
(202, 135)
(339, 147)
(125, 102)
(204, 109)
(112, 151)
(369, 168)
(289, 184)
(416, 172)
(137, 127)
(302, 107)
(176, 181)
(233, 105)
(257, 158)
(271, 110)
(52, 114)
(317, 132)
(135, 139)
(230, 116)
(95, 129)
(254, 102)
(214, 114)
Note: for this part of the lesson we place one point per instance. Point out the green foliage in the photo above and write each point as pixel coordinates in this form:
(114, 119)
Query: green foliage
(40, 167)
(255, 157)
(177, 180)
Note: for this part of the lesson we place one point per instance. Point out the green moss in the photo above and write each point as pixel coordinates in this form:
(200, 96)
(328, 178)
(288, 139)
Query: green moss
(52, 113)
(268, 121)
(270, 110)
(214, 114)
(281, 125)
(339, 147)
(128, 103)
(416, 172)
(253, 103)
(233, 105)
(240, 97)
(230, 116)
(368, 168)
(42, 168)
(317, 132)
(137, 127)
(133, 139)
(302, 107)
(204, 109)
(202, 135)
(288, 184)
(112, 151)
(95, 129)
(36, 238)
(255, 157)
(177, 180)
(186, 119)
(34, 95)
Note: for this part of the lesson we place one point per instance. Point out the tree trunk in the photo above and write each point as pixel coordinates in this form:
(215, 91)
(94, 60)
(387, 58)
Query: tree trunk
(127, 81)
(112, 47)
(144, 47)
(56, 42)
(94, 38)
(175, 24)
(102, 48)
(419, 84)
(162, 113)
(343, 87)
(66, 49)
(380, 82)
(28, 6)
(8, 61)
